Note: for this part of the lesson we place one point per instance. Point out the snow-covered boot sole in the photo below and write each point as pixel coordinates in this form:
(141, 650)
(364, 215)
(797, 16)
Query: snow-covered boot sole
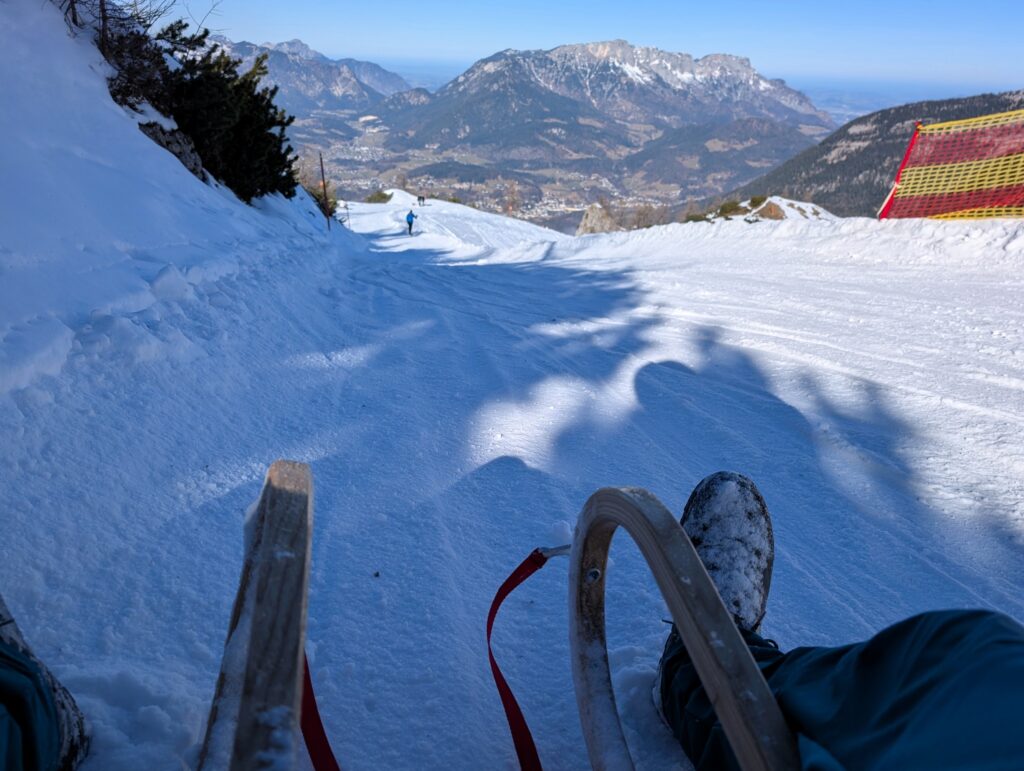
(728, 522)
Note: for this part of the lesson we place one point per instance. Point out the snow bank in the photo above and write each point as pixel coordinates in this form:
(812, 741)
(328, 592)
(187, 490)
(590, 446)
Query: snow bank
(99, 220)
(107, 246)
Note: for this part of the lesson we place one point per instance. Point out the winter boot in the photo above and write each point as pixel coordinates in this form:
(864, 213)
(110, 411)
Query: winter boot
(74, 737)
(729, 525)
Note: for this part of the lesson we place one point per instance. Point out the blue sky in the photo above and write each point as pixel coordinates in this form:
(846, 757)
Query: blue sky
(957, 44)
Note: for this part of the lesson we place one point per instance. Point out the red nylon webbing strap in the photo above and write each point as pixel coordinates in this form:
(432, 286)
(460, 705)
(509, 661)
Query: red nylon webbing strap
(320, 753)
(521, 737)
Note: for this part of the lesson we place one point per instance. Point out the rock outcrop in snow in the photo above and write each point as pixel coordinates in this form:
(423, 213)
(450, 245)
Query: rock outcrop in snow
(597, 219)
(178, 144)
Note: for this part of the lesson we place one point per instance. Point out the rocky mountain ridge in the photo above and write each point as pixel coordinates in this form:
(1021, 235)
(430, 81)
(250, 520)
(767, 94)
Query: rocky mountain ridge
(851, 171)
(633, 121)
(642, 84)
(308, 81)
(565, 126)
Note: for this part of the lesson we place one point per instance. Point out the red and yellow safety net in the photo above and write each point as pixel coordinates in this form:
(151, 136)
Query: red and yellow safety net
(971, 168)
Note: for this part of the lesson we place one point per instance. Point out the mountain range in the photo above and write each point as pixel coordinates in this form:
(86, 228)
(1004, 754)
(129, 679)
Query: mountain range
(625, 94)
(568, 124)
(309, 81)
(851, 171)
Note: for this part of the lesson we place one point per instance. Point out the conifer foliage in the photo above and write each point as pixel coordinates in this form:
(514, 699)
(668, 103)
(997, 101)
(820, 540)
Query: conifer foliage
(233, 122)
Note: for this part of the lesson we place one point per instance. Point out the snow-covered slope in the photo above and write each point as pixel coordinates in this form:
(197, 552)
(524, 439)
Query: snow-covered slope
(459, 394)
(459, 232)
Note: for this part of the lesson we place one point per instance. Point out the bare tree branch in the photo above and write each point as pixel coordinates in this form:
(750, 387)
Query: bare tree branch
(201, 23)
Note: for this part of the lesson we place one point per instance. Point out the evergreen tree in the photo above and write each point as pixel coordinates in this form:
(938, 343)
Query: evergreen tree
(257, 147)
(237, 129)
(233, 123)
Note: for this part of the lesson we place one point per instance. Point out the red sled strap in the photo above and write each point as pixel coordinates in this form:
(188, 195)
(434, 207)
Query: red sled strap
(319, 748)
(320, 753)
(526, 750)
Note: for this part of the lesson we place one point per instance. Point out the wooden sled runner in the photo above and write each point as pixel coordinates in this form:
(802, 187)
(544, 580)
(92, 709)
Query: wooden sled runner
(255, 714)
(751, 718)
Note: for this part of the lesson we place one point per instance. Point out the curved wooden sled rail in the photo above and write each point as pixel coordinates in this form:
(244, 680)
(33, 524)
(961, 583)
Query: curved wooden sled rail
(752, 721)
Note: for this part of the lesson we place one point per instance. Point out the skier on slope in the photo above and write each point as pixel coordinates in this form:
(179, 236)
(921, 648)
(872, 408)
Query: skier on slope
(409, 219)
(940, 690)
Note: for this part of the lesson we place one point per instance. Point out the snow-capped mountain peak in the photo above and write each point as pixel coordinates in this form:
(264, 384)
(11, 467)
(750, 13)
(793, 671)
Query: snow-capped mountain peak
(645, 84)
(310, 81)
(296, 48)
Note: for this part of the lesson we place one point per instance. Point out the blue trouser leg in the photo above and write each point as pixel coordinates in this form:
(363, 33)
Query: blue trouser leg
(29, 730)
(942, 690)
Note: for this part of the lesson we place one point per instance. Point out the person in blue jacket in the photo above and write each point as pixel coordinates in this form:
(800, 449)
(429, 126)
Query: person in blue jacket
(409, 218)
(939, 690)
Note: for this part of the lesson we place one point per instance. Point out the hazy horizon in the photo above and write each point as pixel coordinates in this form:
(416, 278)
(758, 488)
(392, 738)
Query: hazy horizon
(934, 43)
(844, 97)
(928, 89)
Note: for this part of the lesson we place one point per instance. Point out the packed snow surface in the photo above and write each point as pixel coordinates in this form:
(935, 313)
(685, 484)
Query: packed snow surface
(459, 394)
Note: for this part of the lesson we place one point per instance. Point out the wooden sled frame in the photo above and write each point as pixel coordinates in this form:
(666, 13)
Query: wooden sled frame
(752, 720)
(256, 707)
(257, 702)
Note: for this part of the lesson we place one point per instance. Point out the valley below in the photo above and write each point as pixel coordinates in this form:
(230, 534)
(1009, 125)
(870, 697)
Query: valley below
(541, 135)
